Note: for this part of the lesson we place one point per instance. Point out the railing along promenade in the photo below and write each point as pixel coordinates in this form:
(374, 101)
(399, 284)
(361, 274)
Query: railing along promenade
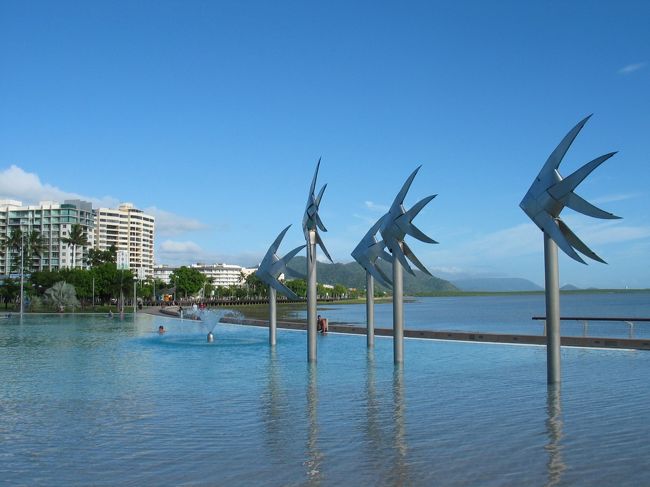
(586, 319)
(572, 341)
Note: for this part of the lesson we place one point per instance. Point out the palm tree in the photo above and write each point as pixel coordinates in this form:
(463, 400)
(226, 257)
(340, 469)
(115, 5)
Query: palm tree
(14, 243)
(76, 238)
(35, 245)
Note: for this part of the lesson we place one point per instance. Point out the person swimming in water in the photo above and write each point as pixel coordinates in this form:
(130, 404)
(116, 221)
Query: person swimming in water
(161, 330)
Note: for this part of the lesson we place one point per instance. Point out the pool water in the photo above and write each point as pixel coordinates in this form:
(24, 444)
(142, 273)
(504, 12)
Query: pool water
(88, 400)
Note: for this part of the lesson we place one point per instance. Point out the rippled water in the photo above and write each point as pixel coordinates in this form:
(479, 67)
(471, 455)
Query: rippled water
(93, 401)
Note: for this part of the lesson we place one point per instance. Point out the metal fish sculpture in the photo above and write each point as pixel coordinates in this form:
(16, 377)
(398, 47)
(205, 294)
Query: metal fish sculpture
(397, 223)
(369, 251)
(550, 193)
(272, 266)
(311, 221)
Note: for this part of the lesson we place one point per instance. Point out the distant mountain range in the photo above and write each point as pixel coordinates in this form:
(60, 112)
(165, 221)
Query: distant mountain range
(496, 284)
(352, 275)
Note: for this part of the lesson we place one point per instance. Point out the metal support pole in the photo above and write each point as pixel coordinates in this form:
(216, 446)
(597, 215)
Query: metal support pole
(93, 292)
(552, 287)
(22, 272)
(370, 310)
(398, 313)
(134, 296)
(272, 316)
(311, 298)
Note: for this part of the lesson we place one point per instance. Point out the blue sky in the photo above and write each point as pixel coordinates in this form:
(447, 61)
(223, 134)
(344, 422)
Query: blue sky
(212, 116)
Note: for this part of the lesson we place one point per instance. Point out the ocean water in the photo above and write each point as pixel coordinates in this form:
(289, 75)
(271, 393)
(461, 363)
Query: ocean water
(505, 314)
(87, 400)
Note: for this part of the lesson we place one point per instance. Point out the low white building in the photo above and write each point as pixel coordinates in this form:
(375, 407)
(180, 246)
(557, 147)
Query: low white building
(225, 275)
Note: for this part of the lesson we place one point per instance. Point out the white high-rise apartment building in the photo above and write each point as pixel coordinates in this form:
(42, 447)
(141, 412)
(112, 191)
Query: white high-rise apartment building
(128, 229)
(53, 221)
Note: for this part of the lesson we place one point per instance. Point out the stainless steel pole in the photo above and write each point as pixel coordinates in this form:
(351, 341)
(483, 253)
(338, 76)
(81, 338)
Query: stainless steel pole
(370, 310)
(272, 316)
(398, 313)
(134, 296)
(22, 272)
(552, 287)
(311, 298)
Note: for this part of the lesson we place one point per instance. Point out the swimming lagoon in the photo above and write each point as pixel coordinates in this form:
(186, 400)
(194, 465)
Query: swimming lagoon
(88, 400)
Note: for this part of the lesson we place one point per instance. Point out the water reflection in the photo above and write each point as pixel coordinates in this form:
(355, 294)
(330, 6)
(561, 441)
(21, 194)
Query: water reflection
(555, 464)
(274, 411)
(373, 427)
(314, 456)
(400, 465)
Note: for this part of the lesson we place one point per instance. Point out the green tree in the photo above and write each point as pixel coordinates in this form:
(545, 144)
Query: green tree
(298, 286)
(42, 280)
(14, 245)
(77, 238)
(98, 257)
(9, 291)
(322, 290)
(187, 280)
(340, 291)
(210, 289)
(81, 279)
(110, 282)
(30, 244)
(254, 286)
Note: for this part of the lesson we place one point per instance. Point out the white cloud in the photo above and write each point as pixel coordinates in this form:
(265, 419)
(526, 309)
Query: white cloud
(175, 252)
(172, 246)
(515, 241)
(169, 225)
(371, 205)
(612, 231)
(615, 197)
(16, 183)
(631, 68)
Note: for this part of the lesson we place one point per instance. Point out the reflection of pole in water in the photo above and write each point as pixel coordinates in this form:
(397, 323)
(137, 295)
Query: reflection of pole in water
(400, 473)
(372, 412)
(274, 410)
(314, 457)
(555, 464)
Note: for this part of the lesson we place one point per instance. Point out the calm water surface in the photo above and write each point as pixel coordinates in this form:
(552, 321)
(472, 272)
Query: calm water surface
(504, 314)
(93, 401)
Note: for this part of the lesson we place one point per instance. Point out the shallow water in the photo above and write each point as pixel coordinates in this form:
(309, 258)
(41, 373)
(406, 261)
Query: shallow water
(92, 401)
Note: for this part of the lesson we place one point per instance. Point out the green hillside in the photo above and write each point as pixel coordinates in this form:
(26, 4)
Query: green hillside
(352, 275)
